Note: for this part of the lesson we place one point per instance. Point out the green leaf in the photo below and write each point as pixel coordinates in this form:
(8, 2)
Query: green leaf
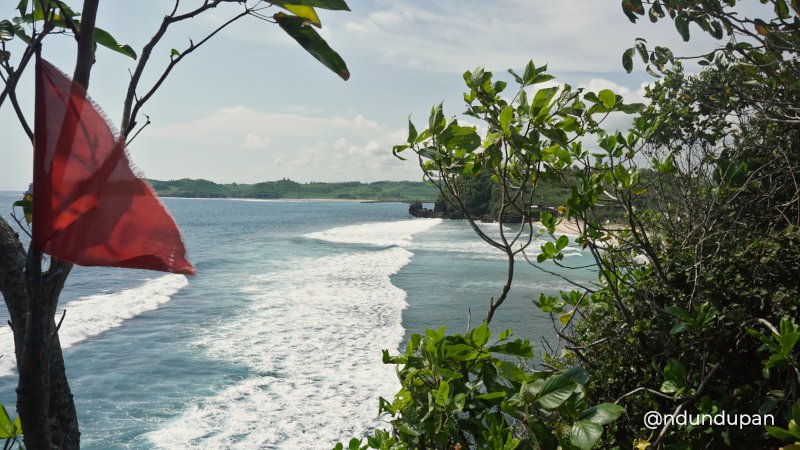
(607, 98)
(602, 414)
(641, 49)
(455, 136)
(556, 135)
(458, 352)
(505, 118)
(716, 30)
(447, 373)
(577, 374)
(492, 395)
(481, 335)
(782, 9)
(632, 108)
(337, 5)
(678, 312)
(306, 12)
(517, 78)
(105, 39)
(22, 7)
(354, 444)
(412, 132)
(20, 32)
(6, 30)
(788, 341)
(442, 393)
(505, 334)
(541, 98)
(435, 120)
(399, 149)
(623, 176)
(299, 29)
(782, 434)
(634, 5)
(405, 428)
(675, 376)
(521, 348)
(682, 24)
(423, 136)
(510, 371)
(627, 59)
(8, 428)
(585, 434)
(628, 12)
(530, 73)
(679, 328)
(569, 124)
(555, 391)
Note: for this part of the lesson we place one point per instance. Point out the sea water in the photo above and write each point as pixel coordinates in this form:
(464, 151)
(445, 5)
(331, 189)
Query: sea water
(276, 343)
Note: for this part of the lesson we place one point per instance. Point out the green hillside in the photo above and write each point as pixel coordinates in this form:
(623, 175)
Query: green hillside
(377, 191)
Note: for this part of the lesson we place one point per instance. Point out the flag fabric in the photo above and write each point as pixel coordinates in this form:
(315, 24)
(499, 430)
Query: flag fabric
(89, 206)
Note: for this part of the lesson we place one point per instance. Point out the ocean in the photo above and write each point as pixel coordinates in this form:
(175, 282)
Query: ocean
(276, 343)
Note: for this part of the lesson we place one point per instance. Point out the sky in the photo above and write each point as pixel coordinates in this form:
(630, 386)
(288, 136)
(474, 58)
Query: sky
(252, 105)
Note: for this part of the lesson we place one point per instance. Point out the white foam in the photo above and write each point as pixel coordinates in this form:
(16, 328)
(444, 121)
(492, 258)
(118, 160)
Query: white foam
(312, 339)
(378, 233)
(92, 315)
(471, 246)
(474, 248)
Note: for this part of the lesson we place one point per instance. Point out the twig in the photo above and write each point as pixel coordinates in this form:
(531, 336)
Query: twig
(58, 327)
(19, 222)
(640, 389)
(681, 407)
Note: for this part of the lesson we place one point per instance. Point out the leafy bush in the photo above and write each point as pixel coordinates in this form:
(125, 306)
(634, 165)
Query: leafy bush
(465, 391)
(695, 304)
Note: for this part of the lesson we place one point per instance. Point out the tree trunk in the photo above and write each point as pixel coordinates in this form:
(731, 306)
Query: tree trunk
(44, 399)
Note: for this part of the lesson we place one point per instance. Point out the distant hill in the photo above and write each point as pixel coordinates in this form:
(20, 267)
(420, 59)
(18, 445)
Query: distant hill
(377, 191)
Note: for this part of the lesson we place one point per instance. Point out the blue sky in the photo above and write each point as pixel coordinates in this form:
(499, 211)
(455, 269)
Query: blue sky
(253, 106)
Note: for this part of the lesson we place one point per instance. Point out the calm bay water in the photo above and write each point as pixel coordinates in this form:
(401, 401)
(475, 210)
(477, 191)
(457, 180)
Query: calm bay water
(276, 343)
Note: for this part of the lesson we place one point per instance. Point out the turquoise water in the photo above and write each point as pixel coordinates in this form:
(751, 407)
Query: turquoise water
(276, 343)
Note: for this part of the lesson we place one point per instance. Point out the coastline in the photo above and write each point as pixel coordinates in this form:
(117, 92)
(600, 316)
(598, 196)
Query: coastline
(273, 200)
(292, 199)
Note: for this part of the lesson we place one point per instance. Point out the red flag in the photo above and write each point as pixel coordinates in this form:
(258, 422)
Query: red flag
(89, 207)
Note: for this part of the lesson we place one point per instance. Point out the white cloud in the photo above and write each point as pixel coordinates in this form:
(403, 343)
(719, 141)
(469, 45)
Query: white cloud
(256, 141)
(302, 147)
(452, 35)
(257, 127)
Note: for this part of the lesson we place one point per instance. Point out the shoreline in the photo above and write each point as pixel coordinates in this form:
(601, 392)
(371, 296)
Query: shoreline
(291, 200)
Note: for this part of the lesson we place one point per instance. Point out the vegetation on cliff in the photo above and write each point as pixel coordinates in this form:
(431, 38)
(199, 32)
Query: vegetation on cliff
(288, 189)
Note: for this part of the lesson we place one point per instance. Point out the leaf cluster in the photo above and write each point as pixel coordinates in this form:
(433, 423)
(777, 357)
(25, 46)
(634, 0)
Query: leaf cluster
(466, 391)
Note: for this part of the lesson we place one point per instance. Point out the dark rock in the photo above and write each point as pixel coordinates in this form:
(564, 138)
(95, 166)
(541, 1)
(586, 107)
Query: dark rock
(416, 210)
